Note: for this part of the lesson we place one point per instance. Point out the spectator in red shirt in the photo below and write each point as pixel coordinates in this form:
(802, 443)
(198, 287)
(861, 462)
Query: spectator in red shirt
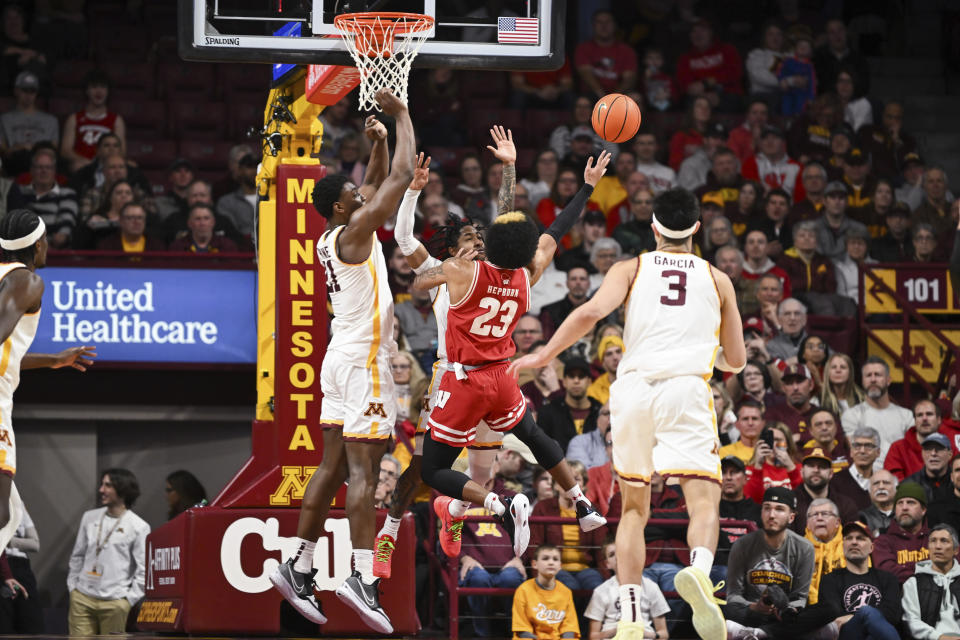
(905, 457)
(83, 129)
(542, 89)
(774, 466)
(773, 167)
(745, 139)
(711, 69)
(756, 262)
(603, 64)
(688, 139)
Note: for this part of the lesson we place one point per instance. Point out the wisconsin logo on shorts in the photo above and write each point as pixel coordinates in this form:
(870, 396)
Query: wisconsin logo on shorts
(375, 409)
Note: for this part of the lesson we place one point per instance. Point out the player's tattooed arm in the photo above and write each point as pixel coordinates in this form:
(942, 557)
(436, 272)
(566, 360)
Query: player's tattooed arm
(505, 152)
(429, 279)
(507, 189)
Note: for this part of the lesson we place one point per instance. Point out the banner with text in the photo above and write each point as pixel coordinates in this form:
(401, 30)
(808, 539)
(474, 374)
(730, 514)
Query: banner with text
(150, 315)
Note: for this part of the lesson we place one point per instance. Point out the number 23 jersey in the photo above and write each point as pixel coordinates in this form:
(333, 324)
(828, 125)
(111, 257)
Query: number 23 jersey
(672, 323)
(480, 326)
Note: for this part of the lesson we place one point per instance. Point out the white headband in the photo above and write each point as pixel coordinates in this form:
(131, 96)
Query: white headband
(670, 233)
(27, 240)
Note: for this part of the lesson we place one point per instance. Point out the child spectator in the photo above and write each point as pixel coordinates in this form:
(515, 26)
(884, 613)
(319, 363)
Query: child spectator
(604, 608)
(542, 606)
(797, 79)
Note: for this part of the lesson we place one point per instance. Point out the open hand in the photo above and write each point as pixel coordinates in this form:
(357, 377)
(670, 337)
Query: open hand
(592, 174)
(466, 254)
(421, 173)
(529, 361)
(506, 151)
(391, 104)
(374, 129)
(77, 357)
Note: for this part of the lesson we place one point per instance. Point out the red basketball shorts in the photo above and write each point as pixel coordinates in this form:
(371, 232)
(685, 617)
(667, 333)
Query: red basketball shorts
(489, 394)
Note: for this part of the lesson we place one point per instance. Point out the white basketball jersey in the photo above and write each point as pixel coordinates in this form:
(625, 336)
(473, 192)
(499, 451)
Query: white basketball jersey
(441, 305)
(362, 302)
(14, 348)
(672, 323)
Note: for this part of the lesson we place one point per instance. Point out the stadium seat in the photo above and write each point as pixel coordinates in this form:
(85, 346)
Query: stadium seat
(69, 74)
(448, 159)
(137, 78)
(152, 154)
(540, 123)
(197, 120)
(62, 107)
(158, 180)
(146, 119)
(206, 155)
(186, 81)
(525, 159)
(124, 42)
(251, 79)
(241, 117)
(481, 122)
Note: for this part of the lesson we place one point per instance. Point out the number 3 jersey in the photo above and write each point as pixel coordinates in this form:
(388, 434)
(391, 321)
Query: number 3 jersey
(672, 323)
(362, 324)
(480, 326)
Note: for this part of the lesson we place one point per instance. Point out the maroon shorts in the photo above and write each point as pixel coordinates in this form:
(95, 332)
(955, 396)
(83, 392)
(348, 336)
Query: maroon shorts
(489, 394)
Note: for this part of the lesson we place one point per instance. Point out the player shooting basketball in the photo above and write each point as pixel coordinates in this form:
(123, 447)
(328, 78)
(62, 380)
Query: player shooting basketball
(359, 404)
(462, 239)
(681, 321)
(23, 239)
(487, 298)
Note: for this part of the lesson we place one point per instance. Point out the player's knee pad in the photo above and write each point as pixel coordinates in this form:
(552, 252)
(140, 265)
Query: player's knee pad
(544, 448)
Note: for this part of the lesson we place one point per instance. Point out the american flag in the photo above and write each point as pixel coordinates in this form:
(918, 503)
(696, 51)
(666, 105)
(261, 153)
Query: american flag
(525, 30)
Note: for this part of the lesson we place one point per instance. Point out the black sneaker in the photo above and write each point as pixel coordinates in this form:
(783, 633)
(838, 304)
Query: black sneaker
(516, 521)
(589, 517)
(365, 600)
(297, 589)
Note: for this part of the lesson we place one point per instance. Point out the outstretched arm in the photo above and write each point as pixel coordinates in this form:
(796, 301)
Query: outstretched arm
(383, 203)
(567, 218)
(413, 250)
(505, 152)
(378, 166)
(77, 357)
(611, 295)
(455, 272)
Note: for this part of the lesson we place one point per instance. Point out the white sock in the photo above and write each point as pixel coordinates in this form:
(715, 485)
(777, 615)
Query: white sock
(576, 494)
(391, 527)
(363, 562)
(630, 603)
(492, 503)
(458, 508)
(702, 558)
(304, 556)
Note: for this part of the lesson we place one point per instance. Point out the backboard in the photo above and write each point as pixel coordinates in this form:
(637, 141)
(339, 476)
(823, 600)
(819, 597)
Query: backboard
(467, 34)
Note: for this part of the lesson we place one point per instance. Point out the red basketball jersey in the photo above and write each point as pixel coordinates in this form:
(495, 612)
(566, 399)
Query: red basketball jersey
(480, 327)
(89, 130)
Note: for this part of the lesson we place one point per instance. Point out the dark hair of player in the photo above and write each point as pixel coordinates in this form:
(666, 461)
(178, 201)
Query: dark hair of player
(447, 237)
(511, 240)
(125, 484)
(327, 192)
(17, 224)
(676, 209)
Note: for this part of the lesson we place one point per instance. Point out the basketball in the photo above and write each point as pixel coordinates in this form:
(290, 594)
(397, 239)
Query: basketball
(616, 117)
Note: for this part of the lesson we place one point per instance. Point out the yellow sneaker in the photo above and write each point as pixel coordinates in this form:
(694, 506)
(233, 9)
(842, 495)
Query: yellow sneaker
(697, 590)
(629, 631)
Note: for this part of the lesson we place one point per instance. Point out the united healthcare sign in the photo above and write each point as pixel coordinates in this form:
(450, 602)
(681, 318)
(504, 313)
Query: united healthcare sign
(150, 315)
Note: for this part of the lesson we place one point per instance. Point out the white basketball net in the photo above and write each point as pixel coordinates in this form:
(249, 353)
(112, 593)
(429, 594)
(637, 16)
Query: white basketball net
(383, 47)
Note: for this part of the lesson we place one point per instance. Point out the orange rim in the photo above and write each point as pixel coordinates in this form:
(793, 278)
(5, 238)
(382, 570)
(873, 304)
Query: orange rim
(403, 22)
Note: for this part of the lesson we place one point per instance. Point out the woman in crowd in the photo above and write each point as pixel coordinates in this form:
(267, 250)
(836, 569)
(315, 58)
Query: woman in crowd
(689, 138)
(719, 234)
(881, 202)
(855, 107)
(748, 207)
(105, 220)
(840, 389)
(542, 486)
(183, 491)
(726, 418)
(410, 384)
(471, 180)
(542, 177)
(774, 466)
(566, 186)
(755, 381)
(813, 352)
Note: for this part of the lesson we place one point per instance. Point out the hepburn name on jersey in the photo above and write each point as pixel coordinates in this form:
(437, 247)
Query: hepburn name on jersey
(503, 292)
(681, 262)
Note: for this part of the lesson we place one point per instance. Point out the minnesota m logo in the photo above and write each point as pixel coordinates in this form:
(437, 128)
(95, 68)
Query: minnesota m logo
(5, 437)
(375, 409)
(294, 483)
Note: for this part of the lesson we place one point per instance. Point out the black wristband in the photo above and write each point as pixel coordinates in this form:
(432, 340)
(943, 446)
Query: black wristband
(570, 214)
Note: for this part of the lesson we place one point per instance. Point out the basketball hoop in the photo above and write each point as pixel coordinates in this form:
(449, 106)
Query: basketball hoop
(383, 58)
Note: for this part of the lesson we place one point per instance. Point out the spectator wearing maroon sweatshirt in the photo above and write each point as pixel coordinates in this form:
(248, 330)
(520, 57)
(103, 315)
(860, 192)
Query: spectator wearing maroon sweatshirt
(712, 69)
(905, 542)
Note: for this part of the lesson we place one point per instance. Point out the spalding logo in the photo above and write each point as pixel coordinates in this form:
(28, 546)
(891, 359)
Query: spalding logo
(268, 530)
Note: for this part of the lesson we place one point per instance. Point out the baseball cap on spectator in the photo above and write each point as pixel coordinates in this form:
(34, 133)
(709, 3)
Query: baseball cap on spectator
(573, 365)
(857, 525)
(582, 131)
(910, 489)
(609, 341)
(910, 158)
(844, 130)
(732, 461)
(856, 156)
(795, 372)
(247, 161)
(771, 130)
(715, 129)
(180, 163)
(27, 81)
(835, 187)
(781, 495)
(513, 443)
(935, 440)
(899, 209)
(753, 324)
(817, 454)
(712, 198)
(592, 216)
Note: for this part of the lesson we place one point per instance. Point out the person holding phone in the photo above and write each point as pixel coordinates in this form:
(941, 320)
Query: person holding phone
(774, 462)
